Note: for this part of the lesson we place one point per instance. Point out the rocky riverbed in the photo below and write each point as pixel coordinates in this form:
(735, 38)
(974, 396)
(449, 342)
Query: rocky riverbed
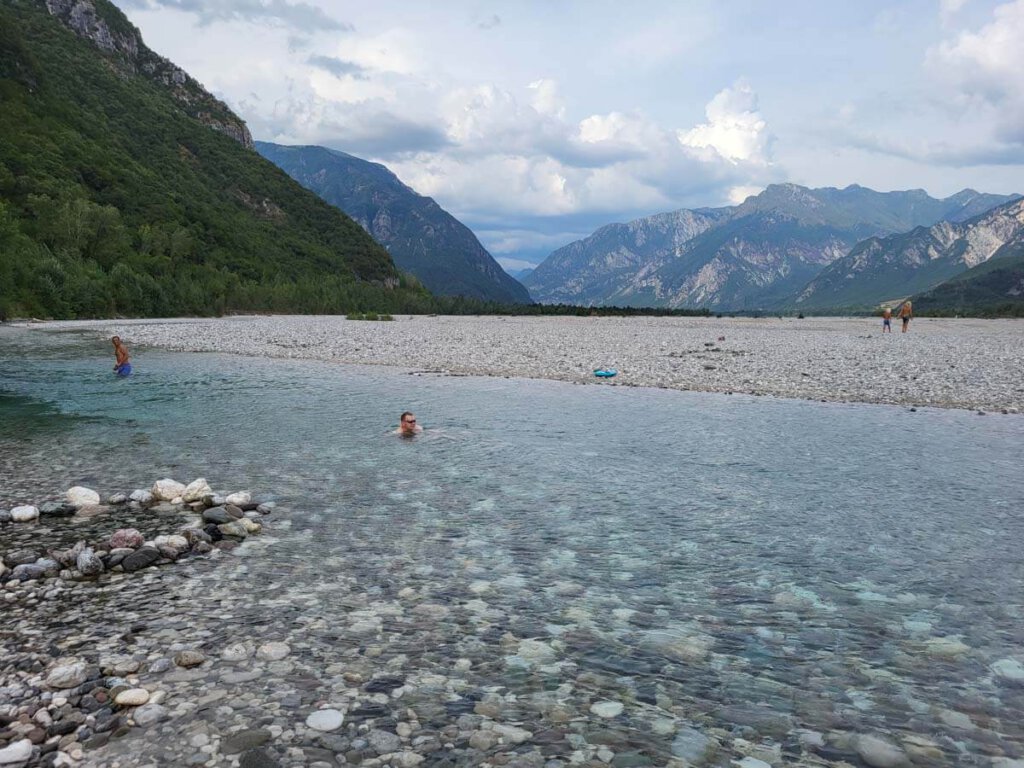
(960, 363)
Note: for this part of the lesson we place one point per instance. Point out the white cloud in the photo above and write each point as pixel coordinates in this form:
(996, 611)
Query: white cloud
(738, 194)
(984, 68)
(513, 265)
(735, 129)
(546, 99)
(950, 8)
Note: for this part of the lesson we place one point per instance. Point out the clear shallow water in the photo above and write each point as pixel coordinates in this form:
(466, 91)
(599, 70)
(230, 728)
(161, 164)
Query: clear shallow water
(747, 567)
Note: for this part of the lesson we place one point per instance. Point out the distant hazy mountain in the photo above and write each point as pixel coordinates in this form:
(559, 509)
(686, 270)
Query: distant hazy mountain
(755, 255)
(879, 269)
(522, 274)
(421, 236)
(995, 286)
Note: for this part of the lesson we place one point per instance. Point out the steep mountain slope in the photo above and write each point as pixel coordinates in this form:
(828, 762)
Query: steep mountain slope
(878, 269)
(754, 255)
(994, 287)
(421, 236)
(116, 197)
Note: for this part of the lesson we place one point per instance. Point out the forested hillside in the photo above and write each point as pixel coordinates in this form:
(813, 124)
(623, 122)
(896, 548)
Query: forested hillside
(125, 188)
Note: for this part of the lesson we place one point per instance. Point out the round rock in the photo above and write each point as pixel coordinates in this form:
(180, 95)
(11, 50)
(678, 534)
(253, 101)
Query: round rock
(67, 675)
(273, 651)
(189, 659)
(133, 697)
(607, 708)
(325, 720)
(24, 514)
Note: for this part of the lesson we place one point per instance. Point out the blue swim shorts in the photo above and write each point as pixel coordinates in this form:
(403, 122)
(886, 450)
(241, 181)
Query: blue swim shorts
(124, 370)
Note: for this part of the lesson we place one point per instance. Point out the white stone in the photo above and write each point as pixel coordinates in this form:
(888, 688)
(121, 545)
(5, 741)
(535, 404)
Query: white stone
(607, 708)
(133, 697)
(16, 753)
(751, 762)
(239, 499)
(81, 496)
(325, 720)
(24, 514)
(510, 733)
(1009, 671)
(197, 490)
(167, 489)
(67, 675)
(879, 753)
(237, 652)
(406, 759)
(141, 497)
(273, 651)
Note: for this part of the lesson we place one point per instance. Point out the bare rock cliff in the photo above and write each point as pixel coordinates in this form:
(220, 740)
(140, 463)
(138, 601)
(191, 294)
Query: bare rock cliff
(108, 29)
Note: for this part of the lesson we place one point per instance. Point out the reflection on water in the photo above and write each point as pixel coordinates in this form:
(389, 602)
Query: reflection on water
(745, 568)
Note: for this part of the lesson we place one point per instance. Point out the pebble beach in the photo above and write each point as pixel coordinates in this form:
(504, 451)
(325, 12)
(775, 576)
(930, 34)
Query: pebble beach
(948, 363)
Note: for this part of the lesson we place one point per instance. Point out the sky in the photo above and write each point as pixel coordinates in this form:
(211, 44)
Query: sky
(535, 122)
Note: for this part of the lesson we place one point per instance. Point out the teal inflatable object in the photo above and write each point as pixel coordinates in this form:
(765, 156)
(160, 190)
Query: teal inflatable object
(605, 373)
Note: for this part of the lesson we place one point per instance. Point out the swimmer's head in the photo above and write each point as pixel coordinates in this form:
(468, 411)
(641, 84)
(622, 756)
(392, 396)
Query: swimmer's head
(115, 340)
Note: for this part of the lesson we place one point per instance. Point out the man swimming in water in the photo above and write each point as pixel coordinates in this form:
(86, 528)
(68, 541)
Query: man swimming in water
(122, 367)
(407, 426)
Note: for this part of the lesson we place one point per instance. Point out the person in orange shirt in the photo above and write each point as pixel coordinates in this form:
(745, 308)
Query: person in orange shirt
(906, 312)
(886, 320)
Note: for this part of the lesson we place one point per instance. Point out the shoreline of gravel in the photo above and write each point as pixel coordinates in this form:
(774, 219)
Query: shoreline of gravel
(948, 363)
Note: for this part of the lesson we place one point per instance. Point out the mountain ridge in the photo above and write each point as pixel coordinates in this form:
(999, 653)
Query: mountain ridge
(912, 262)
(757, 254)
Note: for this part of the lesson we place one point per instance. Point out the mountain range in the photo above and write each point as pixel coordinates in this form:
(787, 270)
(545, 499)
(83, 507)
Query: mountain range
(421, 237)
(909, 263)
(760, 254)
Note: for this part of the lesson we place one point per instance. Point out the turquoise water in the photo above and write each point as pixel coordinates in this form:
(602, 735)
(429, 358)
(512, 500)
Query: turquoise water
(711, 561)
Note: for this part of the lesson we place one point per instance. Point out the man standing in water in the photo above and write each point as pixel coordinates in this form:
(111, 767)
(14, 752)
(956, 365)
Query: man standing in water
(906, 312)
(122, 367)
(407, 426)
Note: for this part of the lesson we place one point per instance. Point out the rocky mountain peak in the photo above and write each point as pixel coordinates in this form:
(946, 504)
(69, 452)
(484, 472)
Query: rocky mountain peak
(83, 19)
(103, 24)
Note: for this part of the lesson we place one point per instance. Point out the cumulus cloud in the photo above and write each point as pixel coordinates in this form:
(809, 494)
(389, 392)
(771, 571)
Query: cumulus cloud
(984, 68)
(298, 15)
(735, 129)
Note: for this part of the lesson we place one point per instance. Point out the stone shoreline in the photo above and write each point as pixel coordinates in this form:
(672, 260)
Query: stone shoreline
(947, 363)
(59, 700)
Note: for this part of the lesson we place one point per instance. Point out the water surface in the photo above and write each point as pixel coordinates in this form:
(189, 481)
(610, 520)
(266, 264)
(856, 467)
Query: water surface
(747, 567)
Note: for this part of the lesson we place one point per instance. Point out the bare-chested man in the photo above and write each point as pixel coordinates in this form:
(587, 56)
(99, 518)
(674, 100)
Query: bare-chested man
(122, 367)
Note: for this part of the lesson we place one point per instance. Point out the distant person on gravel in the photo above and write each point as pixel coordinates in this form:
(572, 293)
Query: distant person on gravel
(887, 320)
(122, 367)
(407, 426)
(906, 312)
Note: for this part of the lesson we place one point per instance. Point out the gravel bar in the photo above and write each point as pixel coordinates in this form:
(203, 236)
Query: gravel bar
(949, 363)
